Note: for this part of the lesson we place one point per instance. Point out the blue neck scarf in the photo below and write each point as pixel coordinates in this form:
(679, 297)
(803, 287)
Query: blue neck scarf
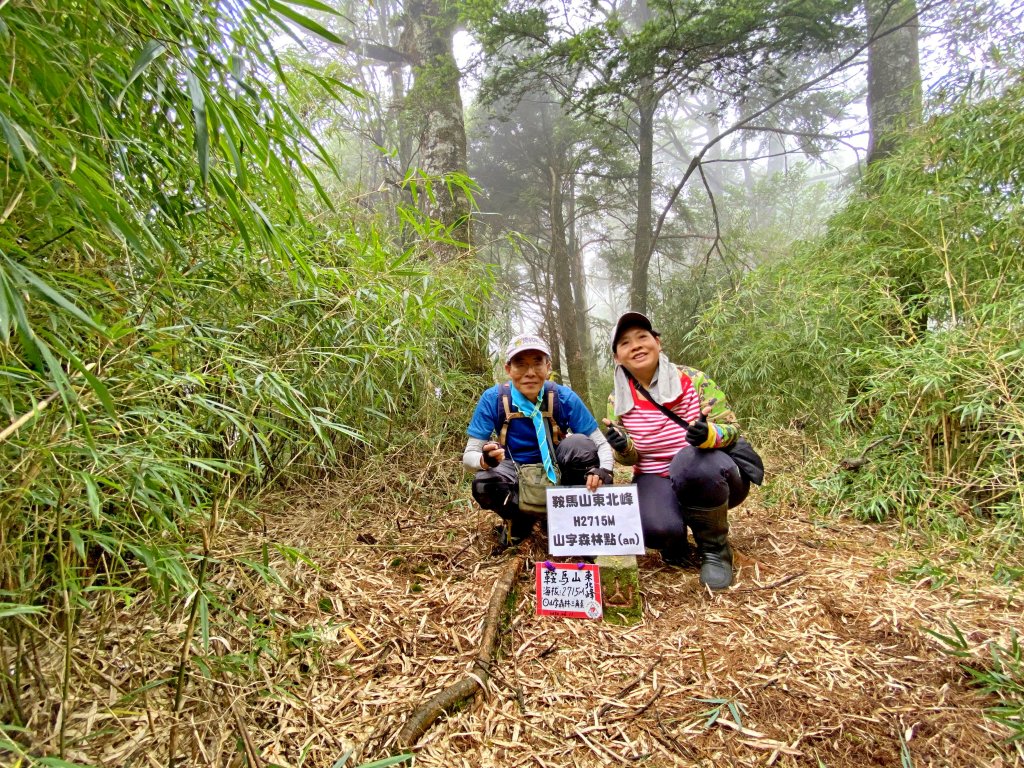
(533, 411)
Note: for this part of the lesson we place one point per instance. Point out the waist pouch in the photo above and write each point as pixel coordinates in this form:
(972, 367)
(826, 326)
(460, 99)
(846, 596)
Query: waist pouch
(533, 485)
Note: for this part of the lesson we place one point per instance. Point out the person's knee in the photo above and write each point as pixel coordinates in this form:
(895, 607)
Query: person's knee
(576, 452)
(658, 532)
(739, 488)
(660, 515)
(702, 478)
(491, 490)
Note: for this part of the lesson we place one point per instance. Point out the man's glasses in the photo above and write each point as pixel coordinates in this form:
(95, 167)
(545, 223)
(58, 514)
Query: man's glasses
(536, 367)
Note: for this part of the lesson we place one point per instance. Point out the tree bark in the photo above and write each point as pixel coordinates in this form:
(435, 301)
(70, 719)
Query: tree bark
(894, 73)
(643, 243)
(579, 281)
(575, 363)
(437, 101)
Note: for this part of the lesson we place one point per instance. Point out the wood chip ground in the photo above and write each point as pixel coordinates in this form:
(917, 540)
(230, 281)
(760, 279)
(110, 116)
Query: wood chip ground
(818, 656)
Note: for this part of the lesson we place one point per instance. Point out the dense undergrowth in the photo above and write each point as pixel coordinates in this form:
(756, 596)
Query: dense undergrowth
(897, 337)
(897, 340)
(187, 318)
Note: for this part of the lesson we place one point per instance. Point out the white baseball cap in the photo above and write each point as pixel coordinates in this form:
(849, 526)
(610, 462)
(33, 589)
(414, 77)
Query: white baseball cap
(523, 342)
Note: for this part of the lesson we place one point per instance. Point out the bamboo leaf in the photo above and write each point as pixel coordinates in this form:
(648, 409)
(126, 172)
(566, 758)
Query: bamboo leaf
(98, 387)
(387, 761)
(150, 52)
(316, 5)
(13, 142)
(53, 295)
(198, 97)
(16, 609)
(305, 22)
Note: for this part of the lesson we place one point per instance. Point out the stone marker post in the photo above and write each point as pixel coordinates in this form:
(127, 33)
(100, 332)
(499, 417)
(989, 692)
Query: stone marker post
(620, 588)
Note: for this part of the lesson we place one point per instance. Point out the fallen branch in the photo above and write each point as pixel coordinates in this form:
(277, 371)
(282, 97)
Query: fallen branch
(784, 580)
(860, 461)
(460, 692)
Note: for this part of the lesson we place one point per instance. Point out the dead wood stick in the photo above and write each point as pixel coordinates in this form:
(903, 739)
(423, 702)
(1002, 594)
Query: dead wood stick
(632, 684)
(463, 690)
(638, 712)
(253, 759)
(860, 461)
(781, 582)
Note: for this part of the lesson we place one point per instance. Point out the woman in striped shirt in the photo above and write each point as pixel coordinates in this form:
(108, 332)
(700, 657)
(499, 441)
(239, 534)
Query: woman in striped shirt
(681, 480)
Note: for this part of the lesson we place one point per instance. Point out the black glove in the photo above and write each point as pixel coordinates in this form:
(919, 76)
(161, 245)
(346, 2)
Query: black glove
(490, 461)
(697, 432)
(604, 474)
(616, 438)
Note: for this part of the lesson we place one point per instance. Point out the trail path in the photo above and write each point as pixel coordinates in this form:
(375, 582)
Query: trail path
(820, 647)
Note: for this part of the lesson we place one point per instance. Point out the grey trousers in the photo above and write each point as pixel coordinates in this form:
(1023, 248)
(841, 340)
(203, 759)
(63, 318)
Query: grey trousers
(697, 478)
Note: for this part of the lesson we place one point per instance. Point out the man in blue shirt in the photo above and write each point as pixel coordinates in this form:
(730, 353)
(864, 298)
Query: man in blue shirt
(509, 429)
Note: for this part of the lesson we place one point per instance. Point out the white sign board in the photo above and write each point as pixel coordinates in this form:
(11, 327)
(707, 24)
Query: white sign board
(601, 522)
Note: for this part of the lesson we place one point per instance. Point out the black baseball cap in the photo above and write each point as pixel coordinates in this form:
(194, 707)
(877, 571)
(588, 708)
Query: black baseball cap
(631, 320)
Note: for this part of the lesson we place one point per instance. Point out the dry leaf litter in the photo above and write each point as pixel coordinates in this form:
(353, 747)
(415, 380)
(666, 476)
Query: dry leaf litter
(817, 656)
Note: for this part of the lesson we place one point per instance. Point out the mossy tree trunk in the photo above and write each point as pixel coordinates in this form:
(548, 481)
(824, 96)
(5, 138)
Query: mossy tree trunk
(435, 103)
(894, 73)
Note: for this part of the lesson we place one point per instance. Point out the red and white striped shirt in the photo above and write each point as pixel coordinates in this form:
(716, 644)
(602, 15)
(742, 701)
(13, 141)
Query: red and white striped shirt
(656, 437)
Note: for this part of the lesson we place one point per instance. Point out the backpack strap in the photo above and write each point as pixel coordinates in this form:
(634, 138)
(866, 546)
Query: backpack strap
(505, 411)
(550, 411)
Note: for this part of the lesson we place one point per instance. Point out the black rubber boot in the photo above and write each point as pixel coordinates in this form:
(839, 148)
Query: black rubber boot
(678, 554)
(711, 532)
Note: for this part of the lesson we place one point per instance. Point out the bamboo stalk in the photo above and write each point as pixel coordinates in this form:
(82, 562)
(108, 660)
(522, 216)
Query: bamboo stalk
(22, 420)
(39, 407)
(186, 644)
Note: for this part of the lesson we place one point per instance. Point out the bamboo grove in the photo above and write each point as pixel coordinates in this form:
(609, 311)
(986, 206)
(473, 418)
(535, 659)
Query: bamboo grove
(187, 313)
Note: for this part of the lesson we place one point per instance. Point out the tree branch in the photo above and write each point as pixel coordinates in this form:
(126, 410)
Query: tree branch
(697, 159)
(465, 689)
(714, 213)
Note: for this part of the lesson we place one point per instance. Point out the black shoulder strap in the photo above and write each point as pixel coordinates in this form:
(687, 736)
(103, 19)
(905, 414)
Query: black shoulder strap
(667, 411)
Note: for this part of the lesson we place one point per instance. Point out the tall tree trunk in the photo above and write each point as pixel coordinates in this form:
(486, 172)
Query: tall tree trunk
(395, 69)
(553, 337)
(643, 239)
(647, 103)
(894, 72)
(435, 97)
(579, 280)
(563, 290)
(436, 101)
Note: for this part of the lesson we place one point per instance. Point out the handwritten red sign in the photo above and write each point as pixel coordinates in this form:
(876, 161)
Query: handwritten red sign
(572, 590)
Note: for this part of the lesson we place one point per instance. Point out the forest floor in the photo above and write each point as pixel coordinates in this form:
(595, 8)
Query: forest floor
(819, 655)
